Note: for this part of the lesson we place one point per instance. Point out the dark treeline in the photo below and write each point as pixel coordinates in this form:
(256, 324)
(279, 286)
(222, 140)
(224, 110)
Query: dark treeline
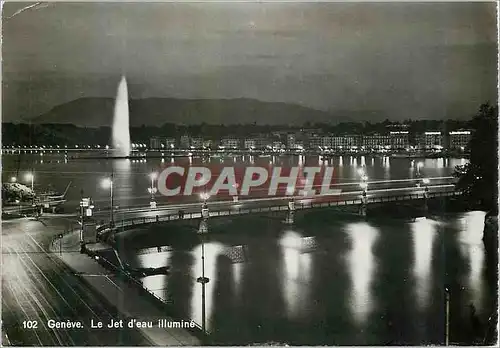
(66, 134)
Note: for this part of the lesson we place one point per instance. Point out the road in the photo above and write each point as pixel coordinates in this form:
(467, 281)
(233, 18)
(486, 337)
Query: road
(37, 287)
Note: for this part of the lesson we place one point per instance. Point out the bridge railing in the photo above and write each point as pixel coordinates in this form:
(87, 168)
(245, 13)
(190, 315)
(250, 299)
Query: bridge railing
(277, 207)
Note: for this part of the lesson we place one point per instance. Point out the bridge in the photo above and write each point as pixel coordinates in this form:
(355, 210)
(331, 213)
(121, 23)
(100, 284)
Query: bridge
(136, 217)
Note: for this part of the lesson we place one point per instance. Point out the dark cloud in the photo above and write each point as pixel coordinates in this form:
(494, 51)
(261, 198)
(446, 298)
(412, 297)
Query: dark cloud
(420, 60)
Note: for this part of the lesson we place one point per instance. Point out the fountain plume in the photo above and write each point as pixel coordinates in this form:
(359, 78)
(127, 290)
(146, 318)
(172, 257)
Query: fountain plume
(121, 132)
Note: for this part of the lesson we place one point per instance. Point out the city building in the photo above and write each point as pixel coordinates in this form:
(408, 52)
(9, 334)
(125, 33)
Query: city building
(185, 142)
(196, 143)
(291, 141)
(207, 144)
(230, 142)
(326, 141)
(277, 145)
(262, 142)
(170, 143)
(249, 143)
(399, 140)
(459, 140)
(345, 142)
(314, 142)
(430, 141)
(155, 143)
(376, 142)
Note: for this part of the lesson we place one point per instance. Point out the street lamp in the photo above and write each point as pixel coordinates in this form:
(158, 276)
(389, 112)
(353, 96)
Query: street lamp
(204, 196)
(30, 177)
(108, 183)
(426, 182)
(13, 179)
(152, 190)
(203, 280)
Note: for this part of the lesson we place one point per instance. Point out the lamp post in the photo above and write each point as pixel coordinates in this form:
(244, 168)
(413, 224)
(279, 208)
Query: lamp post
(108, 183)
(426, 182)
(31, 177)
(364, 187)
(447, 317)
(203, 280)
(152, 189)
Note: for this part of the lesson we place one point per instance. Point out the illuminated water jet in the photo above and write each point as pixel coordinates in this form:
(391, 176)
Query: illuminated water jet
(121, 132)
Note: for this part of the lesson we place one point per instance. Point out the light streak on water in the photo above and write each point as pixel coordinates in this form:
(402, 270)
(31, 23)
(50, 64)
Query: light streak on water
(341, 161)
(122, 186)
(361, 264)
(472, 250)
(212, 250)
(297, 272)
(424, 234)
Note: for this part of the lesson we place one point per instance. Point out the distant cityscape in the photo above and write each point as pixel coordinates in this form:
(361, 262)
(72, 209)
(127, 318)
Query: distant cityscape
(390, 137)
(397, 139)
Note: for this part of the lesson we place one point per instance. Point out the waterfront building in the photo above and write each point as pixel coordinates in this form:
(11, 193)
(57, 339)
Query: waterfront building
(430, 141)
(399, 140)
(230, 142)
(376, 142)
(185, 142)
(291, 141)
(314, 142)
(262, 142)
(207, 144)
(326, 141)
(459, 140)
(196, 143)
(277, 145)
(155, 143)
(170, 143)
(249, 143)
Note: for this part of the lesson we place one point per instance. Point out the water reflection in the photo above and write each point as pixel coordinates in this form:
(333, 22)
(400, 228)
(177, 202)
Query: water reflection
(361, 264)
(237, 256)
(424, 233)
(472, 249)
(122, 187)
(212, 250)
(297, 263)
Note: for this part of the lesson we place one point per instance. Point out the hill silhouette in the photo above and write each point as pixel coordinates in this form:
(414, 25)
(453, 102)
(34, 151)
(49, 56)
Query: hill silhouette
(97, 112)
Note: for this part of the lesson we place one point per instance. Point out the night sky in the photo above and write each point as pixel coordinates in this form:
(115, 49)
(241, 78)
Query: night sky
(420, 60)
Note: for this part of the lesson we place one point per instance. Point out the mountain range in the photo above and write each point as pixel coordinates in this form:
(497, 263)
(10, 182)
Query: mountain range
(97, 112)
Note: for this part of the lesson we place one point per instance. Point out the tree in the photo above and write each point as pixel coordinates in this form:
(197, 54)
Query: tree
(479, 178)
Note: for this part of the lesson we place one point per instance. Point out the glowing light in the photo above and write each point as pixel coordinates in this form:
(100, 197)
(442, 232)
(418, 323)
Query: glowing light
(423, 242)
(120, 131)
(106, 183)
(472, 249)
(361, 263)
(212, 251)
(204, 196)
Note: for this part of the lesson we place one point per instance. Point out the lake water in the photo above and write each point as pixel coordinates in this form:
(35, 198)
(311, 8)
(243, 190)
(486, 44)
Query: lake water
(329, 279)
(131, 177)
